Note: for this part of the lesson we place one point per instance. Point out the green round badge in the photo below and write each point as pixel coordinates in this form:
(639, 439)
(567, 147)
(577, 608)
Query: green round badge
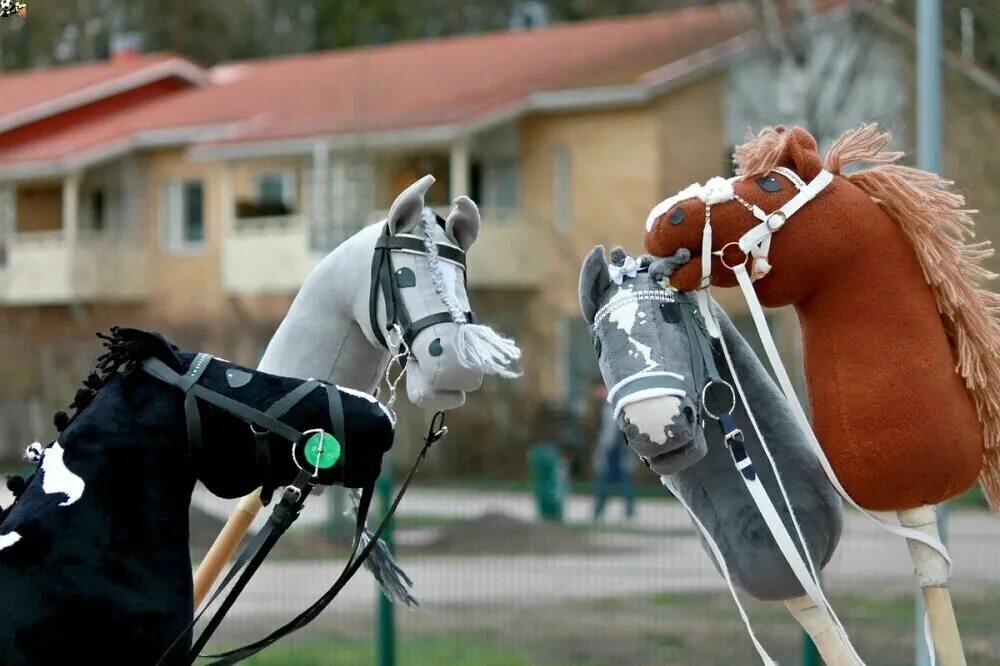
(322, 450)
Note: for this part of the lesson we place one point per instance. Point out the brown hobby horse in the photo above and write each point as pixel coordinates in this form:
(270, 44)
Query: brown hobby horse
(900, 342)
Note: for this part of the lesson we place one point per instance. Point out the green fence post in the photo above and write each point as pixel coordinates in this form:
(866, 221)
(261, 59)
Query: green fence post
(810, 655)
(386, 618)
(549, 481)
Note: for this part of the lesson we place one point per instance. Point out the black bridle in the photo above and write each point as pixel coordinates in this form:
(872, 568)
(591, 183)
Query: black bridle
(264, 424)
(707, 375)
(385, 279)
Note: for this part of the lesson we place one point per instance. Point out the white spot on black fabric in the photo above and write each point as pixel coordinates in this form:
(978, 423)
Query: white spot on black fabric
(56, 477)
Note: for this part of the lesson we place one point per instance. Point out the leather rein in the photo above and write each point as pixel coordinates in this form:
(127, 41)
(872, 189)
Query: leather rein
(264, 424)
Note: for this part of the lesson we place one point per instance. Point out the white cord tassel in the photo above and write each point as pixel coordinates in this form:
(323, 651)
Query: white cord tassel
(481, 348)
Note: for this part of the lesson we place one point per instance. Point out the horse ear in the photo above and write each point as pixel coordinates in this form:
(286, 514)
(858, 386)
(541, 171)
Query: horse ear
(404, 214)
(463, 222)
(595, 280)
(801, 154)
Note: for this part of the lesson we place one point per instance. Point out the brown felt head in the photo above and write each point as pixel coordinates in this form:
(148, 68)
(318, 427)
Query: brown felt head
(888, 294)
(826, 236)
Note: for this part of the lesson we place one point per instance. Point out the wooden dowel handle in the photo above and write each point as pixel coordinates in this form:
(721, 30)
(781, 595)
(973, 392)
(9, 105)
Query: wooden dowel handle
(819, 625)
(225, 545)
(931, 571)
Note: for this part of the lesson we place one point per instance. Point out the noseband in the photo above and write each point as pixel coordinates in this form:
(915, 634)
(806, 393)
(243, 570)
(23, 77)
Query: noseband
(400, 329)
(674, 309)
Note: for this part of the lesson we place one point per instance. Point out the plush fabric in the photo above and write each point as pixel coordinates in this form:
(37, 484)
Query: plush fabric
(327, 331)
(717, 494)
(893, 416)
(109, 574)
(634, 339)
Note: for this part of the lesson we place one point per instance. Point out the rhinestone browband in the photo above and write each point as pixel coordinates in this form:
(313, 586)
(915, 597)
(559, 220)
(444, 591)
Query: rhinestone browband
(632, 297)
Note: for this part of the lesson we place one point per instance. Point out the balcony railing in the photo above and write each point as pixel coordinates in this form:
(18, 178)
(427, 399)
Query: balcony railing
(275, 254)
(267, 255)
(43, 267)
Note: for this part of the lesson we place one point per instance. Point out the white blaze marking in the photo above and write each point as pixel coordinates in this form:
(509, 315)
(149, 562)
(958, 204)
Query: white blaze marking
(9, 539)
(623, 316)
(646, 353)
(56, 478)
(651, 417)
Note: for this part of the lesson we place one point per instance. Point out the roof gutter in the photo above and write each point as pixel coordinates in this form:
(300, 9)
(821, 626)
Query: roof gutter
(159, 138)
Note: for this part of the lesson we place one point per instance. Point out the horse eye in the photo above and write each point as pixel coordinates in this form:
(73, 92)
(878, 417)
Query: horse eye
(671, 312)
(405, 277)
(597, 345)
(676, 215)
(768, 184)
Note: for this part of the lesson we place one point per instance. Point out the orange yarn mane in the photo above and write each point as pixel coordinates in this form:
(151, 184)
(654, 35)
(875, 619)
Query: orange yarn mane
(935, 222)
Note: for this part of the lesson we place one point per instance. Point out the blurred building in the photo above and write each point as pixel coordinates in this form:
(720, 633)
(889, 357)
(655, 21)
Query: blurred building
(151, 191)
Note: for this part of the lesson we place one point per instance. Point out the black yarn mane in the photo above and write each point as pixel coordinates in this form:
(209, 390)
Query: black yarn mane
(126, 349)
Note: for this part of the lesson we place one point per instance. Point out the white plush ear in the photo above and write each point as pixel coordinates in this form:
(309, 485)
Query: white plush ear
(463, 222)
(404, 214)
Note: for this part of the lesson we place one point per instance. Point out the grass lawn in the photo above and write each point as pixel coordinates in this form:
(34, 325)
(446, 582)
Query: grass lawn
(417, 651)
(677, 629)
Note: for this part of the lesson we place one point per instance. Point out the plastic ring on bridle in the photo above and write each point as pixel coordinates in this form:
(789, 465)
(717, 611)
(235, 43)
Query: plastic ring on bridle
(319, 453)
(705, 397)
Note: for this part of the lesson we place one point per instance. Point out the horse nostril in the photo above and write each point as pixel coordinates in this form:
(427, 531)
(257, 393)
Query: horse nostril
(435, 347)
(689, 414)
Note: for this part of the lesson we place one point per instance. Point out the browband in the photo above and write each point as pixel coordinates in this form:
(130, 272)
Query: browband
(414, 244)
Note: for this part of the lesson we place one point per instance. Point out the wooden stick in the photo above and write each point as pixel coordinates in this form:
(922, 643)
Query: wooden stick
(225, 545)
(819, 625)
(931, 571)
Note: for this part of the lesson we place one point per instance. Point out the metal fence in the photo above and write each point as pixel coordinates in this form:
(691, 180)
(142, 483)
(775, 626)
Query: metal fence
(498, 584)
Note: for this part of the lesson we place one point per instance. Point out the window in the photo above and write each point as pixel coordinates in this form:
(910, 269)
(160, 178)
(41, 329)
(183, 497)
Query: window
(561, 189)
(502, 184)
(276, 188)
(495, 186)
(183, 219)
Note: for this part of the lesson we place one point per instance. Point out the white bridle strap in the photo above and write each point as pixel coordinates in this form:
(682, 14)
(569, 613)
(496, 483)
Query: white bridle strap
(769, 223)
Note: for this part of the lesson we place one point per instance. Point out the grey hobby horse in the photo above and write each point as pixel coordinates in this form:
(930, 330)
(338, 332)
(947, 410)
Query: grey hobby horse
(649, 361)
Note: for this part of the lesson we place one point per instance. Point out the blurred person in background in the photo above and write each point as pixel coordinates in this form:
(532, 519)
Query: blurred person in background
(613, 462)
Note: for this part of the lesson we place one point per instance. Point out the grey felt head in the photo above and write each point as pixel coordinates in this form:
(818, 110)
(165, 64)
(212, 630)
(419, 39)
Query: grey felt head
(451, 356)
(645, 355)
(328, 331)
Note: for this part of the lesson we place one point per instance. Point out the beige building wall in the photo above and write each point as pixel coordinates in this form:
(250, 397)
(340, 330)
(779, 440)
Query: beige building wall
(622, 162)
(187, 287)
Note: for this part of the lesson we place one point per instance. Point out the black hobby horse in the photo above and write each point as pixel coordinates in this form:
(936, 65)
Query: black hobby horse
(94, 559)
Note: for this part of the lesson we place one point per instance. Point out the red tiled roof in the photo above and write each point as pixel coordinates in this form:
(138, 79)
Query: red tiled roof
(436, 82)
(23, 90)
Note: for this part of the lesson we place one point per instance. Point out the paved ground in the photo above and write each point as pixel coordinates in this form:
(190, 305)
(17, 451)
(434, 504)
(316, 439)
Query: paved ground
(671, 561)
